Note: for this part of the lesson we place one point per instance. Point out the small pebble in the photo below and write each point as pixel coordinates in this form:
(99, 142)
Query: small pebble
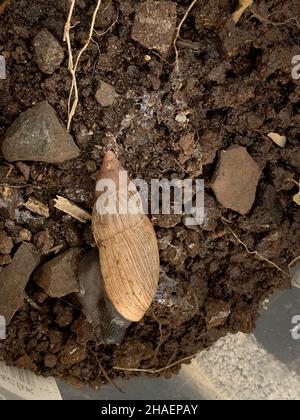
(105, 94)
(91, 166)
(50, 361)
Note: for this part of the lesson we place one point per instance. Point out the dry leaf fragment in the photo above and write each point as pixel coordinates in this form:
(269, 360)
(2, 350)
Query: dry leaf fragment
(3, 6)
(72, 209)
(278, 139)
(244, 4)
(37, 207)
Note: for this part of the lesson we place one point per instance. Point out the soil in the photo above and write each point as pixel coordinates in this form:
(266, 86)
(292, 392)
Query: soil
(234, 86)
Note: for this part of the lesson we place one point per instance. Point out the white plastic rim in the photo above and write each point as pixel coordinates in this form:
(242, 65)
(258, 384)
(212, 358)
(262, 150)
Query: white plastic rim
(2, 68)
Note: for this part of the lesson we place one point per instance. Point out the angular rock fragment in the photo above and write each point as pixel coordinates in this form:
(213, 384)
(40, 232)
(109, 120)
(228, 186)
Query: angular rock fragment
(38, 135)
(58, 277)
(14, 278)
(48, 52)
(154, 25)
(235, 179)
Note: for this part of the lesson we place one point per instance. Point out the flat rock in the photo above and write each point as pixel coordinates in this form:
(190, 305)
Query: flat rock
(48, 52)
(6, 243)
(59, 276)
(14, 278)
(37, 135)
(154, 25)
(235, 179)
(105, 94)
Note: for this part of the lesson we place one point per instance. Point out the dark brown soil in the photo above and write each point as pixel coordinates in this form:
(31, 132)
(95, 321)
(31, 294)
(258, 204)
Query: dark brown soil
(234, 86)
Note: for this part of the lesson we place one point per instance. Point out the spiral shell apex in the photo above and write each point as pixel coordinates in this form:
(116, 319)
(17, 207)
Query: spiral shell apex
(128, 250)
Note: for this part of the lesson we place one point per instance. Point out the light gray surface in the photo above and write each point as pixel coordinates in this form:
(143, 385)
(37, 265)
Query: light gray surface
(238, 366)
(140, 388)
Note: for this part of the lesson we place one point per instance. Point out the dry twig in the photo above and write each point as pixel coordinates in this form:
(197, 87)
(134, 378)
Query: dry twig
(105, 374)
(35, 206)
(263, 19)
(160, 341)
(177, 33)
(294, 261)
(154, 371)
(32, 303)
(243, 5)
(109, 27)
(7, 185)
(63, 204)
(74, 65)
(257, 253)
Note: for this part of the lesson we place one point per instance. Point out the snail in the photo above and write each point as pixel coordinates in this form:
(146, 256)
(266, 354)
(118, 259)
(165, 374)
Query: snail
(128, 265)
(128, 250)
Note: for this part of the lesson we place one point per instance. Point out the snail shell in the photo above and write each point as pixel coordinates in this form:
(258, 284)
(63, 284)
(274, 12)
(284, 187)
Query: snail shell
(128, 250)
(110, 327)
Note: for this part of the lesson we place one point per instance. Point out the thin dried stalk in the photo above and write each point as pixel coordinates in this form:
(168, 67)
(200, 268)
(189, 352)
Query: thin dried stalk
(244, 4)
(73, 66)
(160, 341)
(32, 303)
(154, 371)
(105, 374)
(294, 261)
(177, 33)
(257, 254)
(263, 19)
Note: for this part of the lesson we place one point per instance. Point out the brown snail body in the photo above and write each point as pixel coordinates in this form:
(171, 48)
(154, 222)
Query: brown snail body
(128, 250)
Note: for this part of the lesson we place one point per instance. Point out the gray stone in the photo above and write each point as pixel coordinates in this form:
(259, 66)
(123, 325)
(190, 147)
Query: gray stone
(58, 277)
(154, 25)
(105, 94)
(14, 278)
(235, 180)
(48, 52)
(37, 135)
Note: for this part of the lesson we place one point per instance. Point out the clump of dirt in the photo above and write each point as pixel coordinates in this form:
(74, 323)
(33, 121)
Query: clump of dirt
(233, 87)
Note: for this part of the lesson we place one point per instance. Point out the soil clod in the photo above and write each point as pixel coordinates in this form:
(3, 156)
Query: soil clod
(154, 25)
(236, 179)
